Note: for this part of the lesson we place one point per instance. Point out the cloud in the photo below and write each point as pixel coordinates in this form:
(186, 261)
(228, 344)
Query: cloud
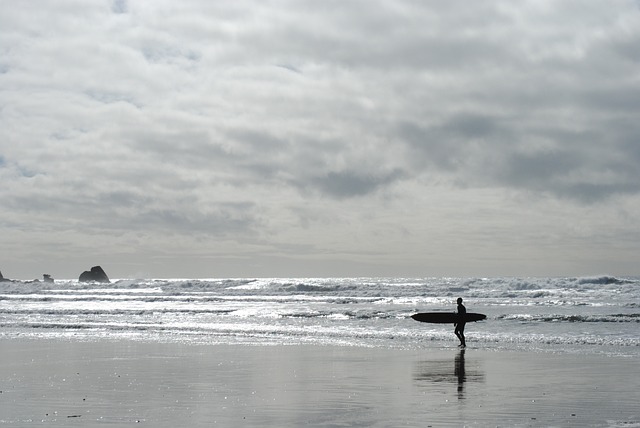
(119, 6)
(278, 126)
(346, 184)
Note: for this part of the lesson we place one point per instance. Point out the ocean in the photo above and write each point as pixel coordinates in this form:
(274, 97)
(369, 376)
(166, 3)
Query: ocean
(586, 315)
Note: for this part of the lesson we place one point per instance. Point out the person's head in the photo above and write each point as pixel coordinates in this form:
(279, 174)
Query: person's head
(459, 300)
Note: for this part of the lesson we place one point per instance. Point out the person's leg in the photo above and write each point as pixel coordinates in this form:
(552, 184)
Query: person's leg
(461, 336)
(458, 333)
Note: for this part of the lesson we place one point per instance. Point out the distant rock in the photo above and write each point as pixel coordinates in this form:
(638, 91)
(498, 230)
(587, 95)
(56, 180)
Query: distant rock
(95, 274)
(2, 278)
(47, 278)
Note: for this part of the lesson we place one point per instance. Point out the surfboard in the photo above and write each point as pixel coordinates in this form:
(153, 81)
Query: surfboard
(447, 317)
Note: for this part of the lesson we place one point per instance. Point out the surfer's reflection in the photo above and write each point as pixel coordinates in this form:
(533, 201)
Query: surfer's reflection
(440, 371)
(459, 372)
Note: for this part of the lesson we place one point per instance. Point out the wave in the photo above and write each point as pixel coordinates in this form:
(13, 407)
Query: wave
(112, 312)
(188, 298)
(444, 288)
(571, 318)
(247, 313)
(604, 280)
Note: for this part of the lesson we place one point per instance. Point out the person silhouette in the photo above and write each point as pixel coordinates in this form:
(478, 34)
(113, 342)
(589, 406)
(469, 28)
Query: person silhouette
(459, 331)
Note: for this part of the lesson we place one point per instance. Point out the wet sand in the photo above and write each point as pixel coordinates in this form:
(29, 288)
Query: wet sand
(127, 383)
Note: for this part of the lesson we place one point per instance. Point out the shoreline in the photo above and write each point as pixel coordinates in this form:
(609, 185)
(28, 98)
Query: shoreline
(125, 382)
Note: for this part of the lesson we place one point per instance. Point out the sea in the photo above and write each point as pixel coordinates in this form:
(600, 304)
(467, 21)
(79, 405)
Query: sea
(586, 315)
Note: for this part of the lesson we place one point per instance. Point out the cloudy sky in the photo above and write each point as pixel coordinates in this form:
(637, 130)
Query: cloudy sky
(201, 138)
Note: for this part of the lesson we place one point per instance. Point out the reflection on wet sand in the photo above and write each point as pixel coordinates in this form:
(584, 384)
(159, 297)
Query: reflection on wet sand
(441, 371)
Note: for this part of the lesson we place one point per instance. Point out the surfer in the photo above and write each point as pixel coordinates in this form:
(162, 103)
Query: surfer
(459, 331)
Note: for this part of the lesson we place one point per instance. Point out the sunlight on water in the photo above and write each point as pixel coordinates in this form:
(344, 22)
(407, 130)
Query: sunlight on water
(594, 315)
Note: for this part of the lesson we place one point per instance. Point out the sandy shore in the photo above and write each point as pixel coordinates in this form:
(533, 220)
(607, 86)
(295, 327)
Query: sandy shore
(128, 383)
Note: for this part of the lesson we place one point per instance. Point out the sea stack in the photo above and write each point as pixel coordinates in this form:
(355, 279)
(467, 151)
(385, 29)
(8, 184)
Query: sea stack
(95, 274)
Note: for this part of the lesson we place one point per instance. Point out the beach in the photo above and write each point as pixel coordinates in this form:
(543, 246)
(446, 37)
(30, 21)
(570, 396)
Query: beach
(104, 382)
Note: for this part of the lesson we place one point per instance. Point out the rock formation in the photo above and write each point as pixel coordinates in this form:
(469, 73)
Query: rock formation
(95, 274)
(47, 278)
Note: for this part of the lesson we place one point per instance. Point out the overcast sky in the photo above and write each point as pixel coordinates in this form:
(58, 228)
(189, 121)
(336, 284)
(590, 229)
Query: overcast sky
(200, 138)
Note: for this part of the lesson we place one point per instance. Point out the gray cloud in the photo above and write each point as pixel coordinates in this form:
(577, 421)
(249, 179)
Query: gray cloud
(119, 6)
(346, 184)
(277, 127)
(227, 220)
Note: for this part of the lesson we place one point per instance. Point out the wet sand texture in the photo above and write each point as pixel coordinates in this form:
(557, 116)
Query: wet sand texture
(127, 383)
